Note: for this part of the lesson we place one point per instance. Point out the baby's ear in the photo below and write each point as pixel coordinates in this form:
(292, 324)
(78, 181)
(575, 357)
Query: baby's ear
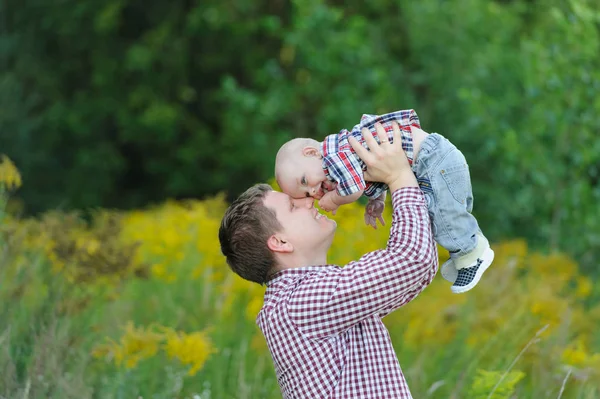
(311, 152)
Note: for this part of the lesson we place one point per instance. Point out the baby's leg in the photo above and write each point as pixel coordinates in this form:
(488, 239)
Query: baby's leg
(450, 206)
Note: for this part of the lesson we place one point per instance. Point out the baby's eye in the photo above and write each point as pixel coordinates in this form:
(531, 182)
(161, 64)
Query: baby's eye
(303, 181)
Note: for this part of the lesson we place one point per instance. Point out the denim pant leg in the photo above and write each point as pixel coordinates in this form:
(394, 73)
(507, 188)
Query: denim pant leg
(443, 176)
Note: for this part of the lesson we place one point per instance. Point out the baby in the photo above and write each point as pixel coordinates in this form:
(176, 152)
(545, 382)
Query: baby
(331, 172)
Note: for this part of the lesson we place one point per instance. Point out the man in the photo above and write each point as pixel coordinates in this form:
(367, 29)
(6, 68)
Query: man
(322, 323)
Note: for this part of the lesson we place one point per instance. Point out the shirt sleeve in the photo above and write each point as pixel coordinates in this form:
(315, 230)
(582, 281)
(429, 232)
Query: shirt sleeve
(345, 169)
(373, 190)
(407, 117)
(332, 301)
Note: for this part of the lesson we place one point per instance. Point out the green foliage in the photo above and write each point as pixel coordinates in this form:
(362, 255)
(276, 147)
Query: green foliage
(484, 384)
(120, 103)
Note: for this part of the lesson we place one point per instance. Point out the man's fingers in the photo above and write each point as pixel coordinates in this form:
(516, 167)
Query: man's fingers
(397, 134)
(369, 139)
(382, 134)
(361, 151)
(374, 148)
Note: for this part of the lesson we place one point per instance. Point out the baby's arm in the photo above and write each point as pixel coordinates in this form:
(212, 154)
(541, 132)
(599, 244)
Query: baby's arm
(332, 200)
(381, 197)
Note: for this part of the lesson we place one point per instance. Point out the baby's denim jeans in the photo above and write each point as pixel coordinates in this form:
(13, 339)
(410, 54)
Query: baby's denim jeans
(443, 175)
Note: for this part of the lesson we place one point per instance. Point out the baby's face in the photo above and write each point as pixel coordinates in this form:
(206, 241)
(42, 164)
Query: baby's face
(303, 177)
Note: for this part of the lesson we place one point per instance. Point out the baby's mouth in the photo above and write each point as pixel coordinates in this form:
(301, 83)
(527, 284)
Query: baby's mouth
(328, 185)
(324, 187)
(320, 192)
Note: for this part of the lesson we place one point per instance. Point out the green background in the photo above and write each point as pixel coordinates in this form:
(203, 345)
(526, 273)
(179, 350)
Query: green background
(123, 103)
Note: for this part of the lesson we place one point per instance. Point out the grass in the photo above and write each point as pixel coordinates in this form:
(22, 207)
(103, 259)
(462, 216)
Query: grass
(66, 298)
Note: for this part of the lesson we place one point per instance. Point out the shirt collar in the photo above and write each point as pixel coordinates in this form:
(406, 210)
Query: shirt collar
(297, 271)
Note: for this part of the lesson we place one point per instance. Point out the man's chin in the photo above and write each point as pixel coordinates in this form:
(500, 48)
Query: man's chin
(333, 226)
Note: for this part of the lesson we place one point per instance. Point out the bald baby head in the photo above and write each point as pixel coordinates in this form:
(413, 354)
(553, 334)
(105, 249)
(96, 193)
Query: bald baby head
(298, 167)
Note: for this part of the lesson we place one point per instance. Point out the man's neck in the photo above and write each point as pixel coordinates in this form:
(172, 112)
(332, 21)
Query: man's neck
(295, 260)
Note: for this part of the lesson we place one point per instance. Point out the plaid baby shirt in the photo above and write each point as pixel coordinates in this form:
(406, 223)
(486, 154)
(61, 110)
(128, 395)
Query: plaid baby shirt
(342, 165)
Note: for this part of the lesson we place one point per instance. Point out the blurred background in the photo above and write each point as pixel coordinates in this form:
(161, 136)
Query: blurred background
(164, 111)
(124, 103)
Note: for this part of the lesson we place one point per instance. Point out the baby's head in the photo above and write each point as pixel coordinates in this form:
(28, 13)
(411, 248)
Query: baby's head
(298, 168)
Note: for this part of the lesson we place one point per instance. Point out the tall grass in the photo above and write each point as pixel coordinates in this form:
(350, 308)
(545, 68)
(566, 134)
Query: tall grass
(141, 304)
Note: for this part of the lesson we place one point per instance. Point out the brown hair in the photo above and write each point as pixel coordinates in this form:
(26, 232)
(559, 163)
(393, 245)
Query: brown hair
(244, 231)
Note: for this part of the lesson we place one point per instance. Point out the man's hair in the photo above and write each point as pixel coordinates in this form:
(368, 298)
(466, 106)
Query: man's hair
(244, 231)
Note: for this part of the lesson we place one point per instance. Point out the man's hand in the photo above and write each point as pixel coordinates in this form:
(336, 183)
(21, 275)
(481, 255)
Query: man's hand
(386, 162)
(374, 212)
(327, 204)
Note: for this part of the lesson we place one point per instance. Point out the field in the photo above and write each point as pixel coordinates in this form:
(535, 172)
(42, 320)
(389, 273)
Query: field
(141, 304)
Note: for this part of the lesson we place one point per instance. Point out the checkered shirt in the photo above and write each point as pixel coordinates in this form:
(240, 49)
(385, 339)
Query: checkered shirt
(342, 165)
(323, 324)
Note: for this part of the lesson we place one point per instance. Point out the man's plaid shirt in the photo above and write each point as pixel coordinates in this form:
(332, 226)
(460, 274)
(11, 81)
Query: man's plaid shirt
(323, 324)
(342, 165)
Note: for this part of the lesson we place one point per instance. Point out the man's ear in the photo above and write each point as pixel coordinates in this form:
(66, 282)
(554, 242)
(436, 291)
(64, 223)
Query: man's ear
(311, 152)
(277, 243)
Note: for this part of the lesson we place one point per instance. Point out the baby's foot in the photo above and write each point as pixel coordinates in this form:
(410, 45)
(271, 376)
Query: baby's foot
(469, 276)
(449, 271)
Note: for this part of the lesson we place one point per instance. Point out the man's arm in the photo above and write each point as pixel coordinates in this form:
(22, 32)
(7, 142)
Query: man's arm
(334, 300)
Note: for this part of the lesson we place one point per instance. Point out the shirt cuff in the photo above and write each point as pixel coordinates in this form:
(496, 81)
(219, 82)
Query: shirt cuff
(408, 196)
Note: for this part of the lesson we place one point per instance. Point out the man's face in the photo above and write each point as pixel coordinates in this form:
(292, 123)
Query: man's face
(303, 226)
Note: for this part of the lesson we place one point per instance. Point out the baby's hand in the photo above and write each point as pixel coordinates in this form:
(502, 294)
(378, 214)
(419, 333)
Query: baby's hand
(326, 202)
(374, 212)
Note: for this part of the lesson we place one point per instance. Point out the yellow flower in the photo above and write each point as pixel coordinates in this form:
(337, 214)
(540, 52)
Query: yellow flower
(575, 354)
(254, 307)
(190, 349)
(9, 174)
(511, 253)
(584, 287)
(135, 345)
(159, 270)
(548, 306)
